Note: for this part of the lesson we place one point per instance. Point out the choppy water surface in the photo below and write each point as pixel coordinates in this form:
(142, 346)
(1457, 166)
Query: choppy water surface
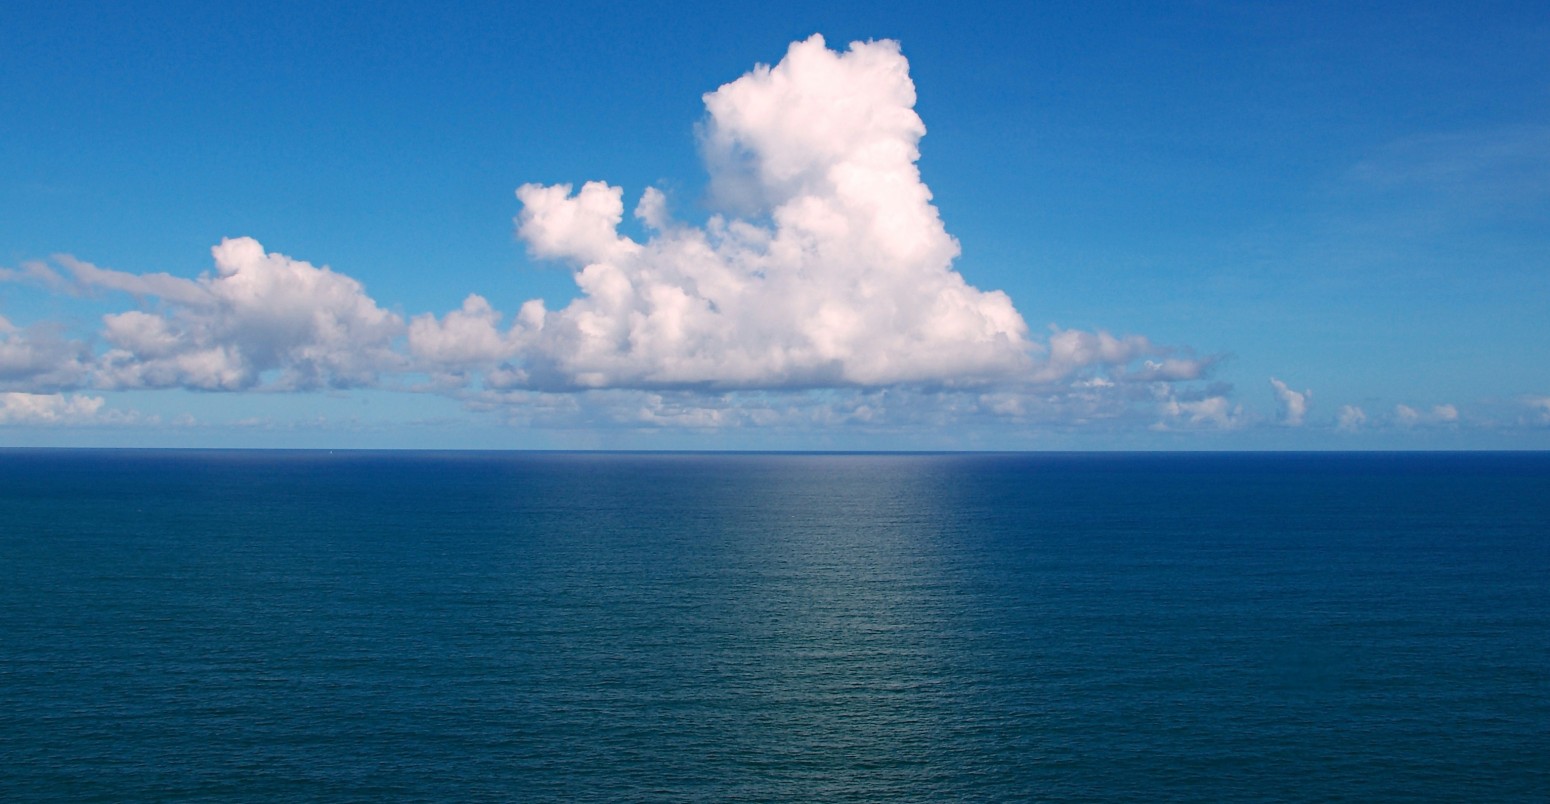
(773, 627)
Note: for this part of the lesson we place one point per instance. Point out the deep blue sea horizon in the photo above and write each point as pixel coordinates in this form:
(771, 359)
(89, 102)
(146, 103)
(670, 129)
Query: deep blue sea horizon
(418, 626)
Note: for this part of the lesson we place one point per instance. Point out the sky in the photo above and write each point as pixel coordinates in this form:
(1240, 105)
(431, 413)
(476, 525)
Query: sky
(1064, 226)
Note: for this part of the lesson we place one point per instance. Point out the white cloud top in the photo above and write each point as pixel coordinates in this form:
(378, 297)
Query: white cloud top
(1294, 404)
(840, 273)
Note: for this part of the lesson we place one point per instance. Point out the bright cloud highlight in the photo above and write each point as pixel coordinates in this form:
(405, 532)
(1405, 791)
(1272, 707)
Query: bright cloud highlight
(840, 275)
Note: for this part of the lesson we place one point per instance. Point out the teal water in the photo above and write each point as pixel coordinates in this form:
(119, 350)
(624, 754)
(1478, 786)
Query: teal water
(607, 627)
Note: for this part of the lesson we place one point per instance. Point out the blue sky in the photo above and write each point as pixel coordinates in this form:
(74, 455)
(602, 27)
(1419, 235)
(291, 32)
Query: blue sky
(1352, 202)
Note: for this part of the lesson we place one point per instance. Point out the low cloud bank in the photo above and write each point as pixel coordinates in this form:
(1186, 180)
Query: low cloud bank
(24, 408)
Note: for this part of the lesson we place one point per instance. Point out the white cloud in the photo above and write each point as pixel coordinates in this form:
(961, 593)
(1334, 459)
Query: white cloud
(837, 273)
(38, 358)
(840, 275)
(25, 408)
(261, 319)
(1407, 416)
(1072, 350)
(34, 272)
(469, 337)
(1294, 404)
(1350, 418)
(1196, 410)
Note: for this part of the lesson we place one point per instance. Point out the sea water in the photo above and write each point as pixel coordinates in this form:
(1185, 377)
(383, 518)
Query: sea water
(773, 627)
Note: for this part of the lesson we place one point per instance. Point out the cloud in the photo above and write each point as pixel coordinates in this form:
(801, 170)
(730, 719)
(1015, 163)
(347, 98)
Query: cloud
(841, 273)
(830, 268)
(1071, 350)
(25, 408)
(1350, 418)
(1294, 404)
(39, 358)
(1197, 409)
(469, 338)
(1407, 416)
(1481, 169)
(263, 319)
(823, 292)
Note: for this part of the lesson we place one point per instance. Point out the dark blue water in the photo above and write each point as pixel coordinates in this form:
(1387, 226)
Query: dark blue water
(413, 626)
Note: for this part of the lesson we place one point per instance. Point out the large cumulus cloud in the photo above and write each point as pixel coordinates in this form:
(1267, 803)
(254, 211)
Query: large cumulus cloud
(839, 272)
(829, 267)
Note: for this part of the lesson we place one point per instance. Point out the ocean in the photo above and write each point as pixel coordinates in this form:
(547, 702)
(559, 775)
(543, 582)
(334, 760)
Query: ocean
(413, 626)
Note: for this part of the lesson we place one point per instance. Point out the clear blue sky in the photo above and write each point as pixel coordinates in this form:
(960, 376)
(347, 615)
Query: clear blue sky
(1352, 200)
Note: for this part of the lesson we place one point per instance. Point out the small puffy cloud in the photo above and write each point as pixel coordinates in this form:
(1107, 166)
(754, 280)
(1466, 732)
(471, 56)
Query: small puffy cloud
(1407, 416)
(1293, 404)
(26, 408)
(1212, 410)
(1350, 418)
(1202, 409)
(261, 319)
(583, 227)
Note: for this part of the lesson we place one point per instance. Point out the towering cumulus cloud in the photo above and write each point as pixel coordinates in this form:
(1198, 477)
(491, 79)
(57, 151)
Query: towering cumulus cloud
(836, 271)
